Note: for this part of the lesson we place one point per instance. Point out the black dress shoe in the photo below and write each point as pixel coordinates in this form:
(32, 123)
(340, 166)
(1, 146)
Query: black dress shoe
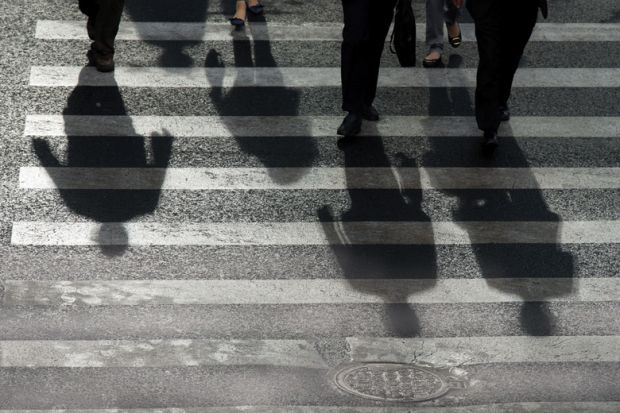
(490, 142)
(370, 113)
(351, 125)
(504, 113)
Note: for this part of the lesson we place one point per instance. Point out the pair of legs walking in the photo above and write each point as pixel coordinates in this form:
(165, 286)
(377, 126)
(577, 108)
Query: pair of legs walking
(366, 25)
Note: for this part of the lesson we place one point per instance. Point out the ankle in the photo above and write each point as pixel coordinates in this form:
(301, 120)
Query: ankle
(453, 29)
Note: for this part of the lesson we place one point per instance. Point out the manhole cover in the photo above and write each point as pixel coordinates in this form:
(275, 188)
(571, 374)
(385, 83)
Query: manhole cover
(394, 382)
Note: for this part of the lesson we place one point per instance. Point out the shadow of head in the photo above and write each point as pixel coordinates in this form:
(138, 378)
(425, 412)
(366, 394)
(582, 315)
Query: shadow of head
(112, 239)
(173, 53)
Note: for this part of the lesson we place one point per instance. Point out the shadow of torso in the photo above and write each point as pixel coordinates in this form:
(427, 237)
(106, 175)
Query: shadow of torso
(295, 152)
(497, 262)
(393, 272)
(106, 205)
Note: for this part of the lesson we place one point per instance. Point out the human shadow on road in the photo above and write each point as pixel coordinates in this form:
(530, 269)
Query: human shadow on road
(173, 53)
(263, 103)
(109, 206)
(499, 262)
(368, 265)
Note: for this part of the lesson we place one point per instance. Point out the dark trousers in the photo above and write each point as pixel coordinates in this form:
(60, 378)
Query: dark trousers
(104, 17)
(366, 25)
(503, 29)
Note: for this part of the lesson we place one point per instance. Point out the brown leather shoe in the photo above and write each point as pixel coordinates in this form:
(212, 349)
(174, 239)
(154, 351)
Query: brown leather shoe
(103, 63)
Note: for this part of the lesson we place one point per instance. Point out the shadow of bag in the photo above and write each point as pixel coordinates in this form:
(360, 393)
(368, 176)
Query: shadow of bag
(403, 36)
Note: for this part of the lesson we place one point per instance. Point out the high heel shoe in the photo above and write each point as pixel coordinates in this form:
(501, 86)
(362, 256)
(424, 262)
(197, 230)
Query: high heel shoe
(456, 40)
(429, 63)
(237, 22)
(257, 9)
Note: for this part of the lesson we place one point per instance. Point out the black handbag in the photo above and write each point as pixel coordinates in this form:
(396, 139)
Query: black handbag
(403, 36)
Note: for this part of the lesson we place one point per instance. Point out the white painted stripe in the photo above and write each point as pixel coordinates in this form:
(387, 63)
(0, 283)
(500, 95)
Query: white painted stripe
(461, 351)
(307, 32)
(313, 126)
(571, 32)
(313, 291)
(318, 178)
(314, 233)
(200, 77)
(159, 353)
(529, 407)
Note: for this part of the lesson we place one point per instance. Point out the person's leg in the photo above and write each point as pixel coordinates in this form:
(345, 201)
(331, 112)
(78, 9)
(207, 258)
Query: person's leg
(240, 10)
(434, 27)
(354, 63)
(490, 44)
(382, 13)
(104, 17)
(517, 25)
(451, 16)
(89, 8)
(106, 25)
(451, 13)
(353, 53)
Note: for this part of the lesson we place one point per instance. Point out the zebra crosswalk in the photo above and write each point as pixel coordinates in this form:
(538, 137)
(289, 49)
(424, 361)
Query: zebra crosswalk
(315, 126)
(317, 233)
(202, 292)
(297, 77)
(325, 31)
(188, 235)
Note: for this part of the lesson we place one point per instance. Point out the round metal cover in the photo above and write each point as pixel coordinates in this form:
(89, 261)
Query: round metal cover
(392, 382)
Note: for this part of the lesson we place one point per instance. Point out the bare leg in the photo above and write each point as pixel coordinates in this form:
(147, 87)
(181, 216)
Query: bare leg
(240, 12)
(454, 29)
